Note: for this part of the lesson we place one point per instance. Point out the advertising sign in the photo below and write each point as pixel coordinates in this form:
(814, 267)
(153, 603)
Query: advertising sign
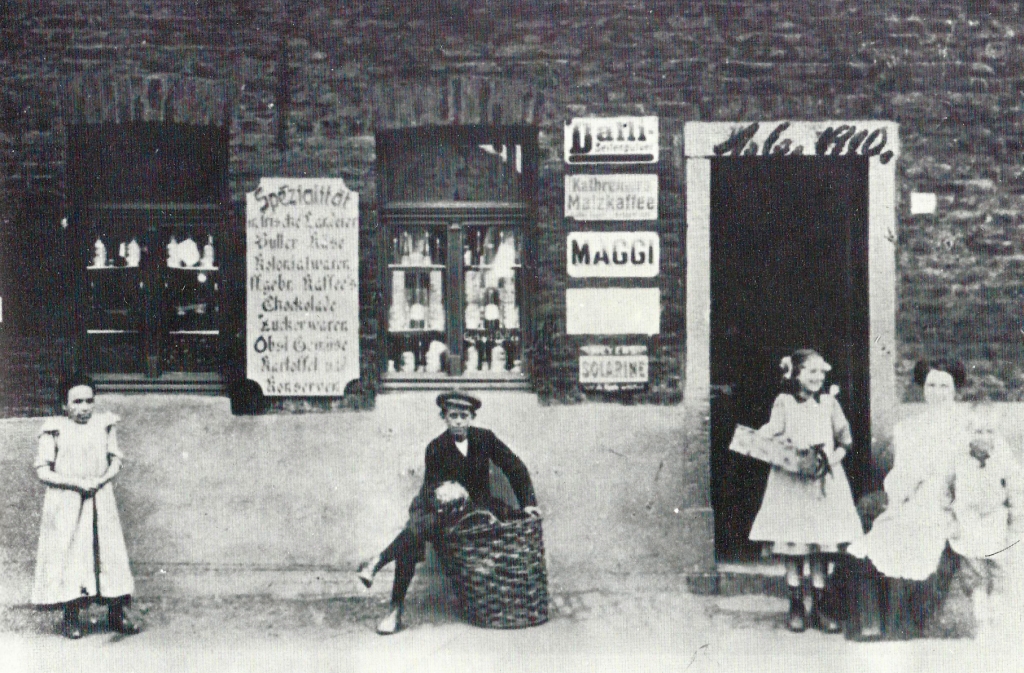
(611, 140)
(612, 254)
(613, 310)
(611, 197)
(302, 286)
(612, 368)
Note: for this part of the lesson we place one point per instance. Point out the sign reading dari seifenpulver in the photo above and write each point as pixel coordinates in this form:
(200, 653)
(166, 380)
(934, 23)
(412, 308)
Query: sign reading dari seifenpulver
(611, 140)
(302, 286)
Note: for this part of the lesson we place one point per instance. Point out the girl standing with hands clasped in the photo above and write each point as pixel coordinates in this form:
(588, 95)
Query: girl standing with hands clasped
(805, 516)
(81, 555)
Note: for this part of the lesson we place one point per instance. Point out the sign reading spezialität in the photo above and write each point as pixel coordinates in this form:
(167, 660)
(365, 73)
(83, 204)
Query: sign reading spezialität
(611, 140)
(612, 368)
(612, 254)
(302, 286)
(611, 197)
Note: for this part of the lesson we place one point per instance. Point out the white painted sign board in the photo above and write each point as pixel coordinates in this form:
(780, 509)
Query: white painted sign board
(613, 310)
(612, 254)
(611, 197)
(608, 367)
(611, 140)
(302, 286)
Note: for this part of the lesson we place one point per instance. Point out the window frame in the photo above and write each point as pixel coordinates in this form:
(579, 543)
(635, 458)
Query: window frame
(455, 220)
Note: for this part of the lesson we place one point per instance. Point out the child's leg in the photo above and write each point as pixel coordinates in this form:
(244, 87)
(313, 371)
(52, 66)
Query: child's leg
(70, 623)
(794, 580)
(821, 617)
(794, 571)
(116, 617)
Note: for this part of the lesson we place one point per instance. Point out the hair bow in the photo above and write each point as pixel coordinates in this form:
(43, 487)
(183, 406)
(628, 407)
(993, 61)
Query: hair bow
(786, 365)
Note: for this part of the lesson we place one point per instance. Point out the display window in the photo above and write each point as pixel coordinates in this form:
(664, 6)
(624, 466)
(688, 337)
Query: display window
(150, 224)
(457, 254)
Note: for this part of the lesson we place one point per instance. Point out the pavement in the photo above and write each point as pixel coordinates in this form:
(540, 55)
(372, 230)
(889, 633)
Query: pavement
(620, 627)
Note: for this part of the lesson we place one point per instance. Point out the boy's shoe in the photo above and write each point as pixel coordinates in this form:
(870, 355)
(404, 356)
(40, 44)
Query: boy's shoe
(392, 623)
(366, 571)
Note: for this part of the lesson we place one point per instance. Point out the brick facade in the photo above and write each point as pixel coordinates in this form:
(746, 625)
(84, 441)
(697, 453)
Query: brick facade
(303, 85)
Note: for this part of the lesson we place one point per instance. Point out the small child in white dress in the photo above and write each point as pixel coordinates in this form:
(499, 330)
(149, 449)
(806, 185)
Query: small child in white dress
(986, 501)
(81, 555)
(804, 517)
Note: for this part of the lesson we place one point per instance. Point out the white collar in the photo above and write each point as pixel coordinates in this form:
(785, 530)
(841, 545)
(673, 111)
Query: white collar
(462, 446)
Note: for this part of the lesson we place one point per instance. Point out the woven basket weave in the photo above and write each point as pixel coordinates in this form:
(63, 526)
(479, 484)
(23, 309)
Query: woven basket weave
(498, 569)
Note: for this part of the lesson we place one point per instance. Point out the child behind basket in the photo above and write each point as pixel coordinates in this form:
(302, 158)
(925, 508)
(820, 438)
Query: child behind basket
(986, 504)
(81, 555)
(803, 517)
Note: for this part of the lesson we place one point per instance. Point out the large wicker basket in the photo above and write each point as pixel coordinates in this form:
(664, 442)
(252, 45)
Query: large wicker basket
(498, 569)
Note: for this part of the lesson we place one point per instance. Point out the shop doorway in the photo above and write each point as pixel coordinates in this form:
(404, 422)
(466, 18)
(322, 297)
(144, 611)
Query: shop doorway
(788, 269)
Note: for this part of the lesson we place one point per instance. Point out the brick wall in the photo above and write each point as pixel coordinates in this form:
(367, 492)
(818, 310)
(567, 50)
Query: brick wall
(304, 84)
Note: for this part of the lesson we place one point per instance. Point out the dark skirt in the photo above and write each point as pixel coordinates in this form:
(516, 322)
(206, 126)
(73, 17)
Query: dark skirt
(887, 608)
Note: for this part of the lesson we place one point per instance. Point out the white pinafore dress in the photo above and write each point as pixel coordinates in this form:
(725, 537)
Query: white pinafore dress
(81, 549)
(799, 515)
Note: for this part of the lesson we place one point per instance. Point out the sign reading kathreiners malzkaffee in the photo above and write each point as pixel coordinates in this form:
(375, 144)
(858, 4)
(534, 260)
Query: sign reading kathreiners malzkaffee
(611, 140)
(302, 286)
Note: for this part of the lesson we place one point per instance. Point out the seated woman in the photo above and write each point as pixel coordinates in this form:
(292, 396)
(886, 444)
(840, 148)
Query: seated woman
(462, 454)
(907, 543)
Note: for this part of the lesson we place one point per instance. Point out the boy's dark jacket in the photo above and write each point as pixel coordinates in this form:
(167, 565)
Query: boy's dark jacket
(445, 463)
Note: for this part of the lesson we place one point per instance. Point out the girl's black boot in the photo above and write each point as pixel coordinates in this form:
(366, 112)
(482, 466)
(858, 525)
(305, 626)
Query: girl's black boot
(797, 620)
(119, 621)
(70, 625)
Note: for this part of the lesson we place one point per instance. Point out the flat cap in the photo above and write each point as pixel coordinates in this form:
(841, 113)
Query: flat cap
(457, 398)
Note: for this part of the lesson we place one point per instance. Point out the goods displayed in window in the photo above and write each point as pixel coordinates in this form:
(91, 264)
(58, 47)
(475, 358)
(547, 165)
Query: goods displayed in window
(152, 282)
(491, 256)
(471, 301)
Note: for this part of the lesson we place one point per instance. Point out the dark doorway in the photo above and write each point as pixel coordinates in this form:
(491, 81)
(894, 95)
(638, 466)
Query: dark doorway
(789, 269)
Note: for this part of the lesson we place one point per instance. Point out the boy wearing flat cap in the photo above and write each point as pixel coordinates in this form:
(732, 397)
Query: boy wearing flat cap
(462, 454)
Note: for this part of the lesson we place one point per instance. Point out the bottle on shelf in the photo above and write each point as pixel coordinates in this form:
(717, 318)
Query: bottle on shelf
(172, 253)
(99, 253)
(133, 253)
(424, 250)
(489, 246)
(478, 248)
(397, 316)
(418, 312)
(435, 301)
(405, 258)
(206, 261)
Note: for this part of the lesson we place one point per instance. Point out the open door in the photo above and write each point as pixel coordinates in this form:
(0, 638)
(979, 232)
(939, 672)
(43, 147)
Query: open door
(789, 269)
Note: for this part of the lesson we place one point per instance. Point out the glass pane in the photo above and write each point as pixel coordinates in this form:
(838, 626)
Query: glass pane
(417, 316)
(191, 281)
(116, 302)
(491, 256)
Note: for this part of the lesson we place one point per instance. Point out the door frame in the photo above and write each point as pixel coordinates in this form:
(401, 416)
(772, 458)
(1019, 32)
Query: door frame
(703, 141)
